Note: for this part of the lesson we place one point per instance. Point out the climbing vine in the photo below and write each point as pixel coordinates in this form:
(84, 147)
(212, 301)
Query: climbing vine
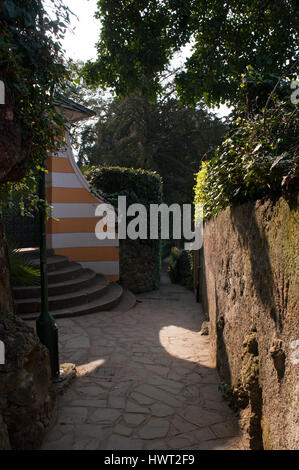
(259, 158)
(32, 69)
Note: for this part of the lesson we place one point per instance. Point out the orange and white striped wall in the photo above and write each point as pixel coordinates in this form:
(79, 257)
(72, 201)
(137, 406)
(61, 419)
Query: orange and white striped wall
(73, 204)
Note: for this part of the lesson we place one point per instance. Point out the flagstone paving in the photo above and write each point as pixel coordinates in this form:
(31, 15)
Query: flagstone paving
(145, 380)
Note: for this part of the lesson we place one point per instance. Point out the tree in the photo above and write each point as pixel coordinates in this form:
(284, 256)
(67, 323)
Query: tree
(139, 37)
(260, 157)
(31, 67)
(83, 133)
(165, 137)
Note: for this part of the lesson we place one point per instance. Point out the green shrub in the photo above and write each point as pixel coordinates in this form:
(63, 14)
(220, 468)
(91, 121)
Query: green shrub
(180, 267)
(141, 187)
(166, 248)
(260, 158)
(22, 271)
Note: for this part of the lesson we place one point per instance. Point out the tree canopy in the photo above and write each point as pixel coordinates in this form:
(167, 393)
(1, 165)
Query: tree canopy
(139, 38)
(31, 67)
(165, 137)
(260, 157)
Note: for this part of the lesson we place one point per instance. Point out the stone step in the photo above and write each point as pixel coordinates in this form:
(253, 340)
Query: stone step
(126, 303)
(34, 252)
(85, 279)
(56, 302)
(110, 299)
(71, 271)
(54, 263)
(72, 289)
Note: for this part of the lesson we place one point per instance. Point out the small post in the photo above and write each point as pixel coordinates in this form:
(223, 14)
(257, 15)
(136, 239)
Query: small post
(46, 327)
(198, 280)
(2, 92)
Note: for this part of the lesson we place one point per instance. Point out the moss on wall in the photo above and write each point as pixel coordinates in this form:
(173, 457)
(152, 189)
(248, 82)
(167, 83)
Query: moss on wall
(250, 289)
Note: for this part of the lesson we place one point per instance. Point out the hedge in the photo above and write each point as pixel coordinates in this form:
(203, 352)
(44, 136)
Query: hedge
(180, 267)
(140, 260)
(140, 186)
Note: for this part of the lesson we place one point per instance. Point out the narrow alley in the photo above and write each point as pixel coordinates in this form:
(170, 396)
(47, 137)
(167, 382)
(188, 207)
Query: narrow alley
(144, 380)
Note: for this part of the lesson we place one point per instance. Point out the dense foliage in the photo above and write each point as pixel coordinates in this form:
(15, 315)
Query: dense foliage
(22, 271)
(138, 39)
(163, 137)
(31, 67)
(166, 248)
(260, 157)
(180, 267)
(139, 187)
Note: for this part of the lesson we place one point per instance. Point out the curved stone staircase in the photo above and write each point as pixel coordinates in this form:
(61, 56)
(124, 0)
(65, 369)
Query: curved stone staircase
(73, 290)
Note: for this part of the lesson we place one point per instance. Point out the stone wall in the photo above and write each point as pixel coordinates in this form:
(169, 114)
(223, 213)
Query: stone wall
(26, 393)
(139, 265)
(250, 289)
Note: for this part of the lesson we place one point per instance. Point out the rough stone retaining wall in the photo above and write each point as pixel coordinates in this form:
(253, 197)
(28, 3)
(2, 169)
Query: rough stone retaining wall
(26, 394)
(139, 265)
(26, 391)
(250, 292)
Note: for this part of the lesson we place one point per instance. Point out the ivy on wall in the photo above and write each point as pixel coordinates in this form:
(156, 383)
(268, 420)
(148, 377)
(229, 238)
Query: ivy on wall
(260, 157)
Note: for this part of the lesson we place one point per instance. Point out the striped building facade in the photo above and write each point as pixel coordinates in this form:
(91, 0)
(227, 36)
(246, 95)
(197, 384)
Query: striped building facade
(71, 230)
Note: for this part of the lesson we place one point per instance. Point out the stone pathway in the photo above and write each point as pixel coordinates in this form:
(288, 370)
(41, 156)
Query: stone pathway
(145, 380)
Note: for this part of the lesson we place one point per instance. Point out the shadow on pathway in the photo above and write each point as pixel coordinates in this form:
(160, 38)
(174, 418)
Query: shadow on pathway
(145, 380)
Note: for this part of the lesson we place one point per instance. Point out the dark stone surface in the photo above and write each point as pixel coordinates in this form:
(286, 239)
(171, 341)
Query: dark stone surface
(27, 396)
(205, 328)
(139, 267)
(26, 392)
(67, 375)
(4, 438)
(250, 290)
